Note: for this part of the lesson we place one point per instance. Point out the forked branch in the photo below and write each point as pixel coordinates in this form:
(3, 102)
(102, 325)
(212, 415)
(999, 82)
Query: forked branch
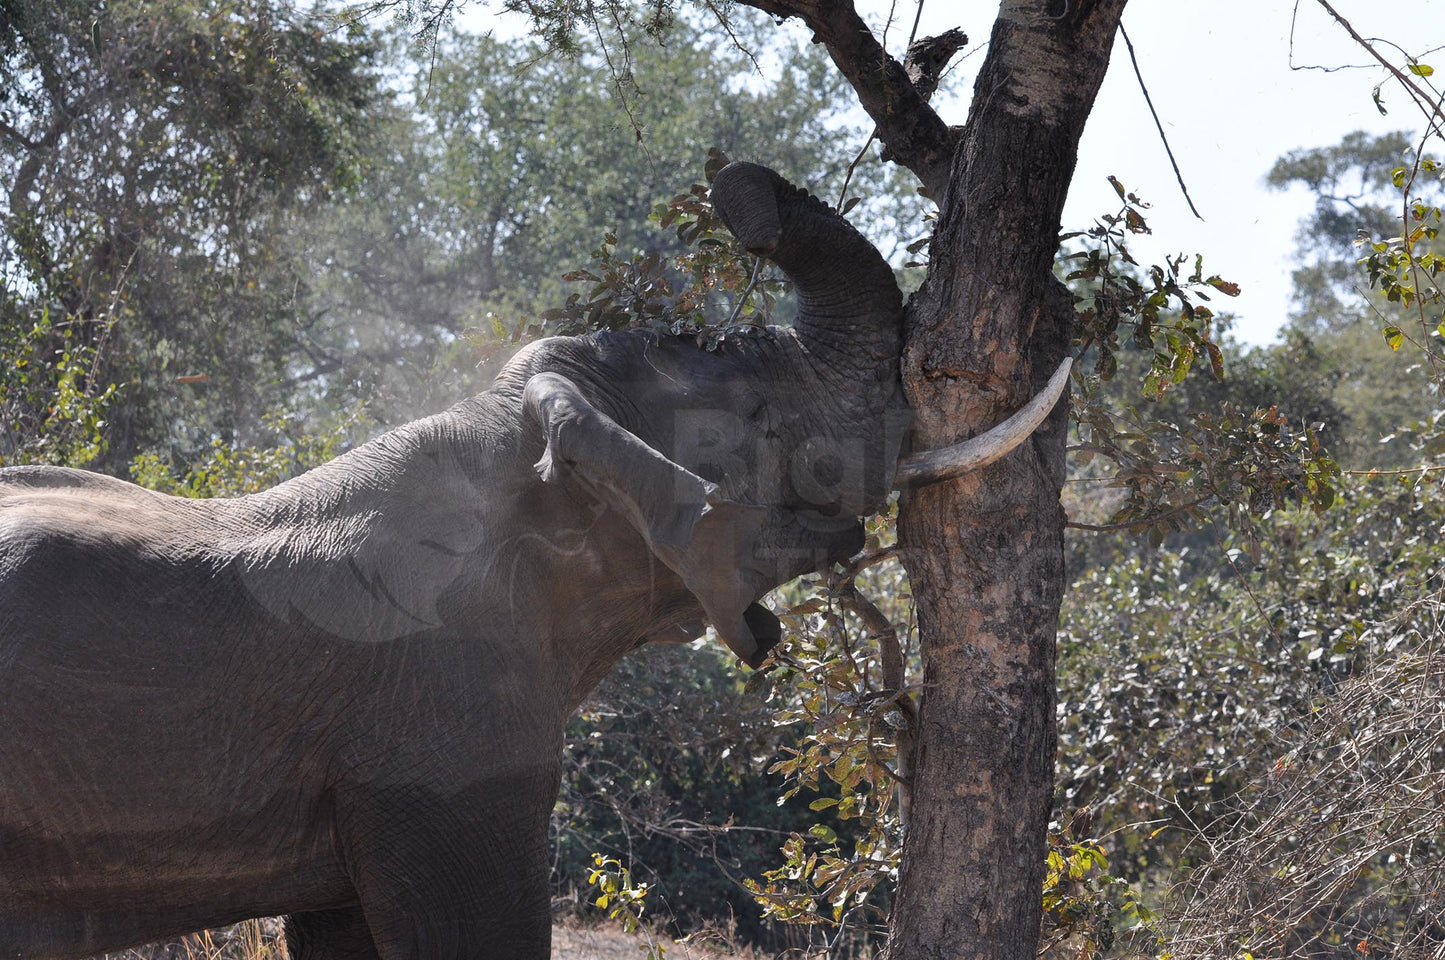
(915, 135)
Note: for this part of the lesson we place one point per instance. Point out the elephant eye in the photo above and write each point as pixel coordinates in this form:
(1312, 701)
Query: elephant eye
(713, 473)
(828, 470)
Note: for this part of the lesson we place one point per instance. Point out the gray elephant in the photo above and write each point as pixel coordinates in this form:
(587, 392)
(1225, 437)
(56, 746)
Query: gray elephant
(343, 699)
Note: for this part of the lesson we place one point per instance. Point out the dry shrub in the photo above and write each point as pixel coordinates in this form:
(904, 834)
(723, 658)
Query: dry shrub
(1340, 850)
(252, 940)
(263, 940)
(593, 941)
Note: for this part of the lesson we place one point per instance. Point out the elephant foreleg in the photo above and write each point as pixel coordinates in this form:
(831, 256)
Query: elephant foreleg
(454, 875)
(330, 935)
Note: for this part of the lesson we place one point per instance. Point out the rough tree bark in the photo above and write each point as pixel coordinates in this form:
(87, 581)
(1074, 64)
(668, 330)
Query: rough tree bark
(984, 552)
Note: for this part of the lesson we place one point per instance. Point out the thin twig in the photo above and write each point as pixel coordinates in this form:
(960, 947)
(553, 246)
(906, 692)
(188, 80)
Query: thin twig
(727, 26)
(17, 136)
(1249, 589)
(880, 628)
(1134, 524)
(848, 176)
(890, 653)
(917, 19)
(1405, 234)
(1155, 114)
(1406, 82)
(1422, 347)
(626, 102)
(743, 299)
(865, 560)
(1394, 473)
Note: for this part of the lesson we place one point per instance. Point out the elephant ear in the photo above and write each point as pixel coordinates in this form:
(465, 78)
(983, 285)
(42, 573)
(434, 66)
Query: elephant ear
(708, 541)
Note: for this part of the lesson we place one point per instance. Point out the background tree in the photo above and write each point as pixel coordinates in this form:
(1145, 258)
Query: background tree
(1339, 321)
(147, 148)
(501, 168)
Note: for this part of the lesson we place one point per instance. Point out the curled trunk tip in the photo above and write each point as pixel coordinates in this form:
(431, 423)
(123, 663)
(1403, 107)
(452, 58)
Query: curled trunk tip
(745, 196)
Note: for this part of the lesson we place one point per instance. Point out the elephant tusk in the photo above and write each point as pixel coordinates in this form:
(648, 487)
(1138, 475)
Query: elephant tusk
(945, 463)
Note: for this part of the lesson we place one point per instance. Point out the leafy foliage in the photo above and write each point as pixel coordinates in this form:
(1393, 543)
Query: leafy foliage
(1114, 297)
(659, 774)
(285, 450)
(495, 172)
(52, 408)
(703, 291)
(623, 900)
(146, 148)
(848, 719)
(1351, 336)
(1088, 910)
(1212, 455)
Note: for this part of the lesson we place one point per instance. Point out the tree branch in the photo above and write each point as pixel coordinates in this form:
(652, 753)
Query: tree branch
(16, 136)
(915, 135)
(1139, 523)
(1429, 105)
(1129, 44)
(891, 653)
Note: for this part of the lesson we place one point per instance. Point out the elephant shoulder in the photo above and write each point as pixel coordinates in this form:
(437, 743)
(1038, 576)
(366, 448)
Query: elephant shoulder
(19, 480)
(42, 541)
(73, 523)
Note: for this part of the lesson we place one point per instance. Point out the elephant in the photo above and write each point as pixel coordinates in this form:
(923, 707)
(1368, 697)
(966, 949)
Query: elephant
(342, 699)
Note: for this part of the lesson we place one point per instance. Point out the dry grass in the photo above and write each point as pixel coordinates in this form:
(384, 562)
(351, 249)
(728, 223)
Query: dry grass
(261, 940)
(1340, 852)
(570, 942)
(252, 940)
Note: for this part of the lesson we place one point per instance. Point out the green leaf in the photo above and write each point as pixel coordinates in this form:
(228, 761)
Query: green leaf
(1393, 337)
(824, 832)
(1421, 69)
(822, 803)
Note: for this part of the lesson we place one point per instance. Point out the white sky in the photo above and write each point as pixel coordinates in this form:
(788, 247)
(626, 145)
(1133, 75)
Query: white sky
(1220, 78)
(1219, 74)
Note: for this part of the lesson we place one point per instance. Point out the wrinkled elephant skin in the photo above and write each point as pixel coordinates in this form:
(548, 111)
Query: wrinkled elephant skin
(343, 699)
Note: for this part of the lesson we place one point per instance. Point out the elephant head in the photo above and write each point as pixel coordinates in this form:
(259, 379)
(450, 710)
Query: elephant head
(749, 465)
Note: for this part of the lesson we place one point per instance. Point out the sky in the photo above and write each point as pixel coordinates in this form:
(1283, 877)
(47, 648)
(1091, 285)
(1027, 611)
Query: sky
(1220, 76)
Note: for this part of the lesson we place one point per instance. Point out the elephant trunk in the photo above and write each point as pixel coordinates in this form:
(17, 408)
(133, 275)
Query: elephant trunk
(850, 309)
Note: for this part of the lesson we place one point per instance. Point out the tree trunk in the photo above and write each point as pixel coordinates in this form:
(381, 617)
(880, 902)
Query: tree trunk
(985, 552)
